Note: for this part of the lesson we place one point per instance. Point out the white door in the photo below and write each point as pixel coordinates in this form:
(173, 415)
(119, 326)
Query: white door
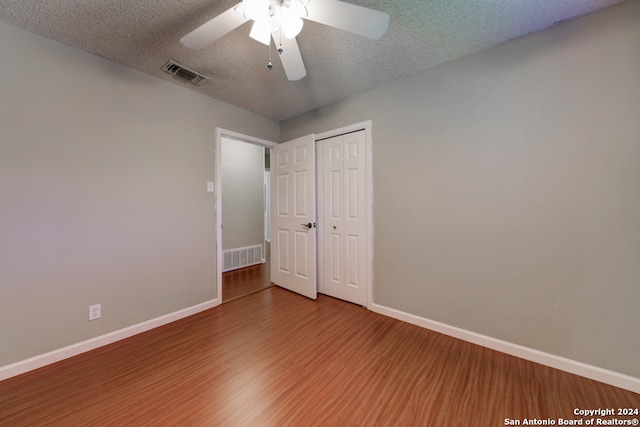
(293, 207)
(344, 230)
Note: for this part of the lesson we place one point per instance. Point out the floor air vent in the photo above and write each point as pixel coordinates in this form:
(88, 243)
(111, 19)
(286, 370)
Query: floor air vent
(187, 74)
(242, 257)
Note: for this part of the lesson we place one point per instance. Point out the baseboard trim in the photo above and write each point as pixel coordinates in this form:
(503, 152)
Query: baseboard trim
(574, 367)
(54, 356)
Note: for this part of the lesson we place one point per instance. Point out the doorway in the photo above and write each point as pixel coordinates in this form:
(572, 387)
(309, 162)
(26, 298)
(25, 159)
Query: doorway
(241, 223)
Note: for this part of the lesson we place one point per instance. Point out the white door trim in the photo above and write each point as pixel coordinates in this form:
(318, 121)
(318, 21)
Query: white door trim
(220, 133)
(366, 126)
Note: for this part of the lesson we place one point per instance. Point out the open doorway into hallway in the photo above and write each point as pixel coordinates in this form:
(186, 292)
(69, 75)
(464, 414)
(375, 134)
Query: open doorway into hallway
(243, 223)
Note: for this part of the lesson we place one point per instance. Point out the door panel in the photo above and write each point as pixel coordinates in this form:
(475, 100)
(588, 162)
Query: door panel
(344, 216)
(281, 248)
(293, 190)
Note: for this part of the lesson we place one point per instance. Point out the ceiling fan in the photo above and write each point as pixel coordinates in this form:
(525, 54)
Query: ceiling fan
(282, 21)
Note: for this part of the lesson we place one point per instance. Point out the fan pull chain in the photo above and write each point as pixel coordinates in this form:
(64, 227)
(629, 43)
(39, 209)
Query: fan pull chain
(280, 50)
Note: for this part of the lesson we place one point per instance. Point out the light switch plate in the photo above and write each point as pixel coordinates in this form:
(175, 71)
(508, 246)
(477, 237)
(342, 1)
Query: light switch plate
(209, 187)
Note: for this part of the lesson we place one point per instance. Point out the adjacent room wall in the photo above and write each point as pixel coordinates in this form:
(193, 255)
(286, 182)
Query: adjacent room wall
(242, 194)
(507, 189)
(103, 173)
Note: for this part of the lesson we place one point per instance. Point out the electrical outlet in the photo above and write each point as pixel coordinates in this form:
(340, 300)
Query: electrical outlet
(95, 312)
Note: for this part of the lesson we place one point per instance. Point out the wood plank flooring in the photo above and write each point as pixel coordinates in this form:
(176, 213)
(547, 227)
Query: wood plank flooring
(278, 359)
(245, 281)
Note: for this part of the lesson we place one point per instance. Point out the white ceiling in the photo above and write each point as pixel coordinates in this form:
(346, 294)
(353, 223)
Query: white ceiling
(144, 34)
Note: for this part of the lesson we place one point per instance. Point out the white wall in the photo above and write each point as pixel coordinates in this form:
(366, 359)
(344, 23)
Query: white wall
(242, 194)
(103, 199)
(507, 189)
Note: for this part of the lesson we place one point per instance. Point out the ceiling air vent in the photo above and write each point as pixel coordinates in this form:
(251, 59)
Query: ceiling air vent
(176, 69)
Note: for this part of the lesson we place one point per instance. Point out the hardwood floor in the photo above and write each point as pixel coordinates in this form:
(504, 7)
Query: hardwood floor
(245, 281)
(278, 359)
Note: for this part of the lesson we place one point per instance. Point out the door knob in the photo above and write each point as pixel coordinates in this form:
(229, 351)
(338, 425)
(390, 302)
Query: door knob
(307, 226)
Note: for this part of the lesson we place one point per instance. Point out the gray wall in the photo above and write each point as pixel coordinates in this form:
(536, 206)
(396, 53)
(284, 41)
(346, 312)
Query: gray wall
(102, 194)
(507, 189)
(242, 194)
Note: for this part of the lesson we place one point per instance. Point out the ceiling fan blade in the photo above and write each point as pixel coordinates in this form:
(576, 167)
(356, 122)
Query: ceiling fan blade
(290, 57)
(349, 17)
(211, 31)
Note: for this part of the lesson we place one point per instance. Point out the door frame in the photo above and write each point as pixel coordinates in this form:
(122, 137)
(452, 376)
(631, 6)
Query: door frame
(366, 126)
(220, 133)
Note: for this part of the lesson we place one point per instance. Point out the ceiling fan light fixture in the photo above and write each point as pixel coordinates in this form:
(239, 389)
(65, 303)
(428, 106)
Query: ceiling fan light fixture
(284, 17)
(256, 9)
(290, 22)
(261, 31)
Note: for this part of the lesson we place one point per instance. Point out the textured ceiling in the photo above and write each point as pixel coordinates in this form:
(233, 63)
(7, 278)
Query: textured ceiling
(144, 34)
